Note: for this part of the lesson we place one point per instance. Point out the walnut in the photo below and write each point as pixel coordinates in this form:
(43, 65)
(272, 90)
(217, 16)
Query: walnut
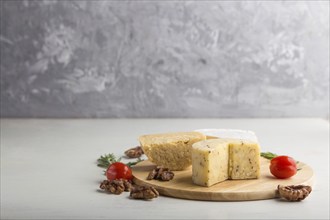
(127, 185)
(152, 174)
(144, 192)
(134, 152)
(294, 192)
(160, 173)
(116, 186)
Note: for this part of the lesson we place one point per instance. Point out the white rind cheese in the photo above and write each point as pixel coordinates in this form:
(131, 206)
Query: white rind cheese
(229, 134)
(216, 160)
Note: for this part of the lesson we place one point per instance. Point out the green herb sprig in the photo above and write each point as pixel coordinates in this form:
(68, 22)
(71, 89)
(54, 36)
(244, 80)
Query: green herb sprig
(268, 155)
(107, 159)
(130, 164)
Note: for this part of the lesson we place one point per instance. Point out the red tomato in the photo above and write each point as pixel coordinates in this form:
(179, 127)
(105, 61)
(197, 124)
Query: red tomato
(119, 170)
(283, 167)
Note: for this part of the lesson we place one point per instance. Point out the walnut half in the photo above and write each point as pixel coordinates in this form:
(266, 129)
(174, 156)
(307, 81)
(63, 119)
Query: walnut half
(116, 186)
(144, 192)
(160, 173)
(294, 192)
(134, 152)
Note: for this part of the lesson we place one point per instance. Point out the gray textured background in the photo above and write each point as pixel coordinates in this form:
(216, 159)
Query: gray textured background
(164, 59)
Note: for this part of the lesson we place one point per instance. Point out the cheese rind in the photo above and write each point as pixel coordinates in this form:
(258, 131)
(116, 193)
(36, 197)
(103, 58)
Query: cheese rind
(229, 134)
(216, 160)
(171, 150)
(210, 162)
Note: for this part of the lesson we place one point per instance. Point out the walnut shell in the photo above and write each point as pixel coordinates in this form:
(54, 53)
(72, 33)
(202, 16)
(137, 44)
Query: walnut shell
(294, 192)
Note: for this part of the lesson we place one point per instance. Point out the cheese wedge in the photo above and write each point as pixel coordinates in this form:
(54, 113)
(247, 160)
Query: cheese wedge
(216, 160)
(171, 150)
(210, 162)
(244, 160)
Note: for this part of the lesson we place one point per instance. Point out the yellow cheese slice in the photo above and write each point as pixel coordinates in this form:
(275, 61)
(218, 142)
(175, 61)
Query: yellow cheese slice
(171, 150)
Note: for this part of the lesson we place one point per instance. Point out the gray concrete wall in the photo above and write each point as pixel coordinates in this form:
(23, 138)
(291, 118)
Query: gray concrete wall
(164, 59)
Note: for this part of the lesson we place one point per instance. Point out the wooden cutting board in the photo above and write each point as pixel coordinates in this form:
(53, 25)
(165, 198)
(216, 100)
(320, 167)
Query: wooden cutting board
(230, 190)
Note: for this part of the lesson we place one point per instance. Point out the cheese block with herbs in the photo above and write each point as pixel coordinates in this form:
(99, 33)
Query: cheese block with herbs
(244, 160)
(171, 150)
(210, 162)
(216, 160)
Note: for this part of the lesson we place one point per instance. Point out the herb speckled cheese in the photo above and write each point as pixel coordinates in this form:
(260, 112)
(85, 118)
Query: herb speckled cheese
(171, 150)
(216, 160)
(244, 160)
(210, 162)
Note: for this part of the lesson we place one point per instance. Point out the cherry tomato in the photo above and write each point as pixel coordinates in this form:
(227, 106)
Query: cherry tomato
(119, 170)
(283, 167)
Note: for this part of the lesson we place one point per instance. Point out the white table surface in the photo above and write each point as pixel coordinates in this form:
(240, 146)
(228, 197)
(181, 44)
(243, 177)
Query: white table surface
(48, 169)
